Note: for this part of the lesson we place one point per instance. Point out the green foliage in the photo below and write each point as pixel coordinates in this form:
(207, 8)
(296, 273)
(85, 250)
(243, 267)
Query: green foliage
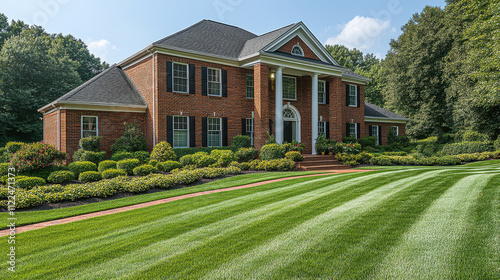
(83, 155)
(168, 166)
(59, 177)
(13, 147)
(368, 141)
(241, 141)
(128, 165)
(82, 166)
(4, 155)
(223, 157)
(354, 159)
(271, 151)
(294, 155)
(29, 182)
(36, 156)
(446, 138)
(91, 143)
(107, 164)
(496, 144)
(271, 139)
(132, 139)
(428, 146)
(122, 155)
(4, 169)
(144, 170)
(200, 159)
(142, 156)
(153, 162)
(163, 152)
(398, 142)
(273, 165)
(473, 136)
(466, 148)
(349, 140)
(113, 173)
(322, 144)
(180, 152)
(90, 176)
(246, 154)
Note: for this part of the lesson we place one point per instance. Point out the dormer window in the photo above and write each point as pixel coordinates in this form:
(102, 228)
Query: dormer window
(297, 50)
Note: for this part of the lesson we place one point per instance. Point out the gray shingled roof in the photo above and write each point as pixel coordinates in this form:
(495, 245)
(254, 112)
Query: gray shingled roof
(111, 87)
(349, 73)
(375, 111)
(254, 45)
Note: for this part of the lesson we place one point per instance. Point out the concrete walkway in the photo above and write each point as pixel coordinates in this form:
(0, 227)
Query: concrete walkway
(160, 201)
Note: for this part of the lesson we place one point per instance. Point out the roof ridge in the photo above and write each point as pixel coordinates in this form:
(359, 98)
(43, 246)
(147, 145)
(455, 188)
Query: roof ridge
(180, 31)
(85, 84)
(234, 26)
(292, 24)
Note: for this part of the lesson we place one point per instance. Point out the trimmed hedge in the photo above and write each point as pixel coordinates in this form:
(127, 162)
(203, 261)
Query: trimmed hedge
(142, 156)
(107, 164)
(90, 176)
(163, 152)
(91, 143)
(180, 152)
(128, 165)
(222, 157)
(295, 156)
(59, 177)
(13, 147)
(112, 173)
(466, 148)
(29, 182)
(144, 170)
(241, 141)
(83, 155)
(82, 166)
(246, 154)
(153, 162)
(200, 159)
(4, 169)
(121, 156)
(429, 161)
(271, 151)
(168, 166)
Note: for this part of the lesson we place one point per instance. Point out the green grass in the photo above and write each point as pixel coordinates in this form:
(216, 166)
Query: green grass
(31, 217)
(413, 223)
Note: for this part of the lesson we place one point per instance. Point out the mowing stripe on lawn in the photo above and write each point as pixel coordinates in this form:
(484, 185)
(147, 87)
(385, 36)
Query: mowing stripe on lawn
(426, 250)
(147, 257)
(287, 247)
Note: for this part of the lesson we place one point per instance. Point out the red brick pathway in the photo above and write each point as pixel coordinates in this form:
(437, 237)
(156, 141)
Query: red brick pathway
(156, 202)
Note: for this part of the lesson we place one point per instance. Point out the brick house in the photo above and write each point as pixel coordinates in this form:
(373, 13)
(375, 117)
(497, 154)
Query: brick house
(210, 82)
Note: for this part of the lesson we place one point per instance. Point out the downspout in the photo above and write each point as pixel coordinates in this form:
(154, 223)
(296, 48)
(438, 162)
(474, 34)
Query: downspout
(154, 100)
(58, 127)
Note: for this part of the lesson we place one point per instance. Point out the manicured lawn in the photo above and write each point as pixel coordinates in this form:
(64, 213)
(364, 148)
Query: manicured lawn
(412, 223)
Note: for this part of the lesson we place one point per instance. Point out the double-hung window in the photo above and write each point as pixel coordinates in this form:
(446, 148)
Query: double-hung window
(322, 92)
(214, 82)
(180, 77)
(89, 126)
(375, 132)
(181, 132)
(249, 86)
(395, 130)
(353, 95)
(322, 129)
(353, 130)
(289, 88)
(214, 132)
(249, 129)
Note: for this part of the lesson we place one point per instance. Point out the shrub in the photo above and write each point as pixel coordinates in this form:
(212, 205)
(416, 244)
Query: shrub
(122, 155)
(91, 143)
(322, 144)
(95, 157)
(59, 177)
(270, 139)
(349, 140)
(4, 169)
(13, 147)
(351, 163)
(82, 166)
(298, 147)
(29, 182)
(128, 165)
(241, 141)
(163, 151)
(271, 151)
(474, 136)
(90, 176)
(144, 170)
(276, 165)
(398, 142)
(132, 139)
(352, 160)
(112, 173)
(368, 141)
(153, 162)
(466, 148)
(446, 138)
(180, 152)
(168, 166)
(222, 157)
(287, 147)
(295, 156)
(246, 154)
(4, 156)
(37, 156)
(200, 159)
(497, 144)
(107, 164)
(428, 146)
(142, 156)
(188, 160)
(381, 160)
(352, 149)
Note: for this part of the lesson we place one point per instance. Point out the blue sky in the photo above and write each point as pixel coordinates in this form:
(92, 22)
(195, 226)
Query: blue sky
(114, 29)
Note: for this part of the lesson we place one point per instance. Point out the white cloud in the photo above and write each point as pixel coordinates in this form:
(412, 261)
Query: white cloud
(360, 32)
(101, 48)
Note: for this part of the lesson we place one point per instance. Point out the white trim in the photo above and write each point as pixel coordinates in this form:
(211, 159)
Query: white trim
(397, 129)
(187, 77)
(295, 79)
(384, 120)
(300, 48)
(355, 95)
(354, 80)
(378, 132)
(297, 120)
(137, 61)
(220, 82)
(173, 130)
(355, 130)
(324, 93)
(59, 129)
(253, 86)
(311, 67)
(51, 111)
(103, 108)
(220, 131)
(198, 56)
(252, 133)
(96, 124)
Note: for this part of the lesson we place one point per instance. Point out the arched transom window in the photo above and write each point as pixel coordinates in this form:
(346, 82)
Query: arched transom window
(297, 50)
(288, 113)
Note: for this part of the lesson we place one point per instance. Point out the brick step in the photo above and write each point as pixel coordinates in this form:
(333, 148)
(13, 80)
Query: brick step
(325, 167)
(319, 162)
(318, 157)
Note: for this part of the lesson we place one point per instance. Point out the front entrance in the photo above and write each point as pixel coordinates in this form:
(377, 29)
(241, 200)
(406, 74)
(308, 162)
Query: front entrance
(291, 124)
(289, 131)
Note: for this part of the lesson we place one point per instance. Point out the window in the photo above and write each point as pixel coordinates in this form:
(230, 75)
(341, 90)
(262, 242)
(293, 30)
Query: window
(180, 77)
(181, 132)
(322, 92)
(395, 130)
(288, 113)
(353, 95)
(375, 132)
(249, 86)
(214, 84)
(297, 50)
(214, 132)
(322, 129)
(249, 130)
(353, 130)
(289, 88)
(89, 126)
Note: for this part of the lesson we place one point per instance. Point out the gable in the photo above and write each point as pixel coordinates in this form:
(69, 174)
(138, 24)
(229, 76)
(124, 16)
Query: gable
(287, 48)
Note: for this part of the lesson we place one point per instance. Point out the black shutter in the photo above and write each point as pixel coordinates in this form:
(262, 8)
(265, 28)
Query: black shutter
(170, 130)
(204, 81)
(270, 127)
(370, 133)
(327, 130)
(224, 132)
(224, 83)
(192, 75)
(243, 126)
(347, 128)
(358, 130)
(204, 132)
(327, 92)
(358, 95)
(347, 95)
(169, 76)
(192, 132)
(379, 140)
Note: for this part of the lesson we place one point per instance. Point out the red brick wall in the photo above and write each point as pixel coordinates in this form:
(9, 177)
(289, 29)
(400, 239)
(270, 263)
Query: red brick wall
(287, 48)
(110, 127)
(352, 114)
(384, 129)
(50, 128)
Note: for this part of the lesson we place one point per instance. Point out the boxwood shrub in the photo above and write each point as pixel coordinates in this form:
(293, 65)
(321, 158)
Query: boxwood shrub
(163, 152)
(107, 164)
(246, 154)
(168, 166)
(90, 176)
(83, 155)
(271, 151)
(466, 148)
(295, 156)
(112, 173)
(144, 170)
(142, 156)
(59, 177)
(4, 169)
(223, 157)
(128, 165)
(180, 152)
(153, 162)
(29, 182)
(241, 141)
(91, 143)
(82, 166)
(13, 147)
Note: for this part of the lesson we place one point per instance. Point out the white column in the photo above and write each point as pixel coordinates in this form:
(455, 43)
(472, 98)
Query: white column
(314, 110)
(279, 106)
